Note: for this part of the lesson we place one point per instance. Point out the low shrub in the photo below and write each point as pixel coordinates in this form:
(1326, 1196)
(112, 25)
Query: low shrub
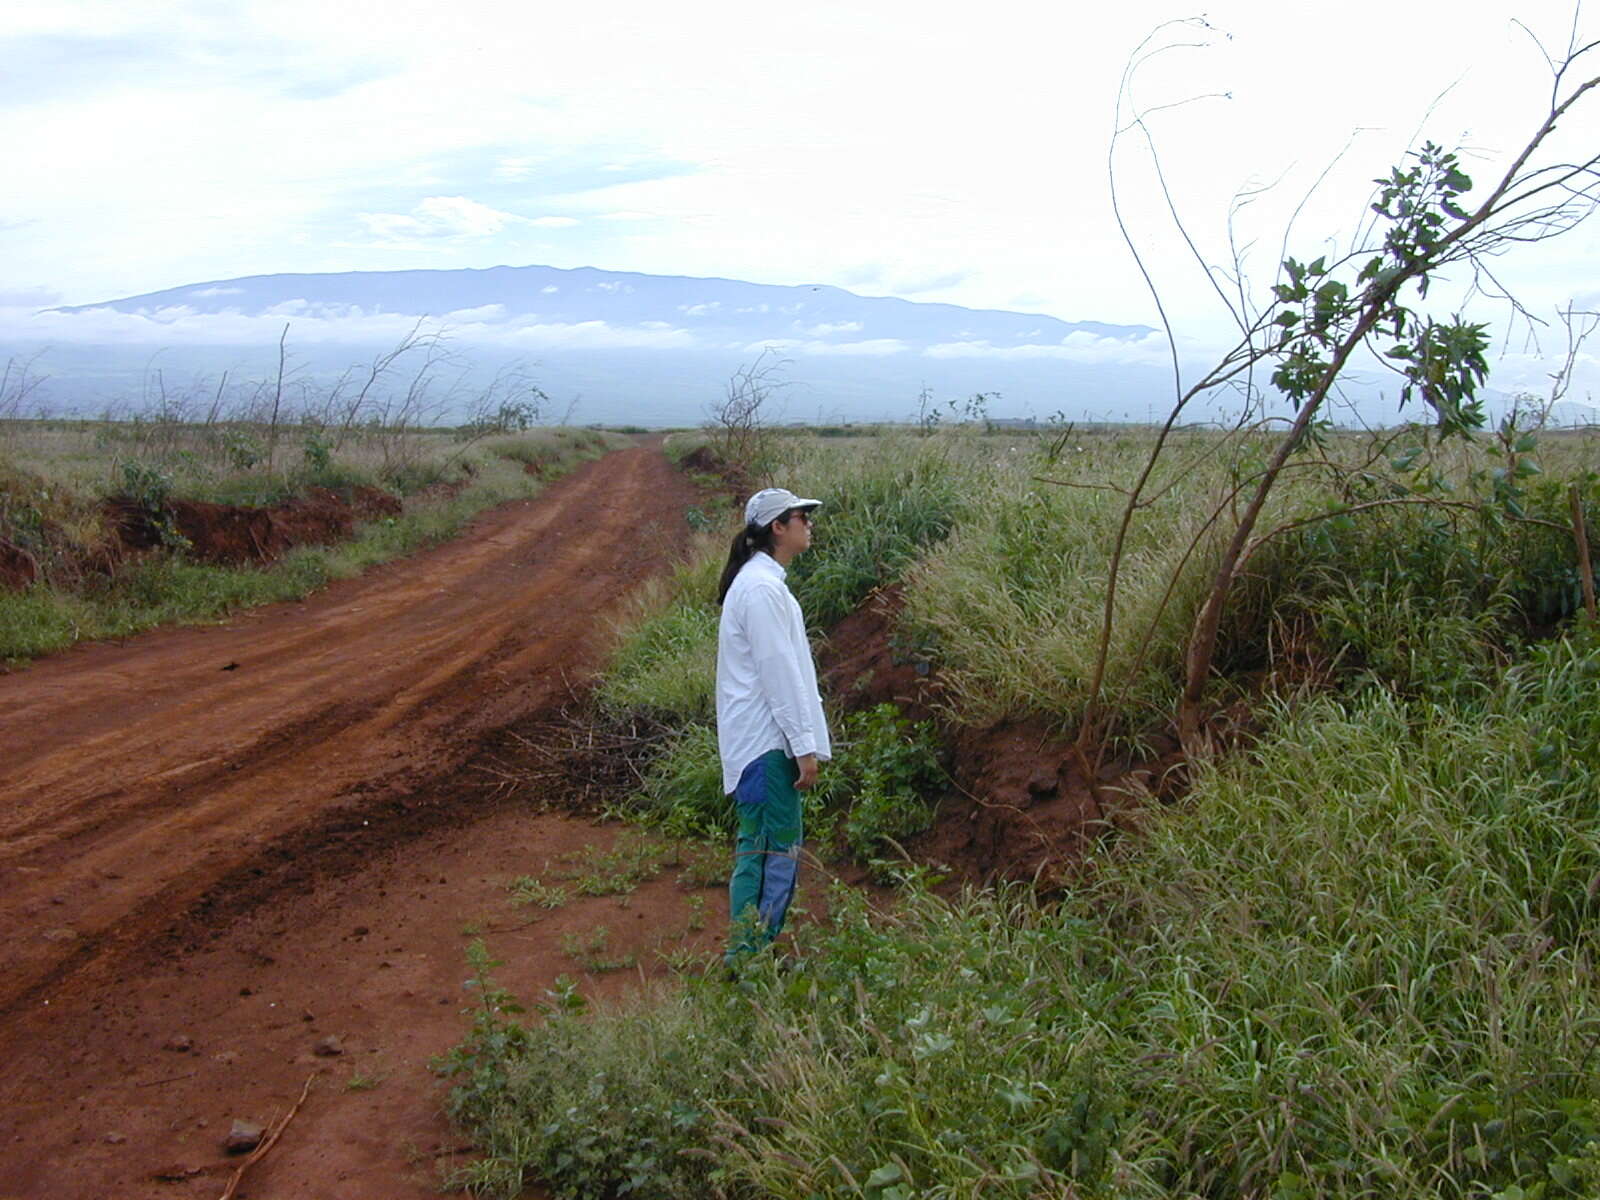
(1424, 577)
(878, 789)
(891, 770)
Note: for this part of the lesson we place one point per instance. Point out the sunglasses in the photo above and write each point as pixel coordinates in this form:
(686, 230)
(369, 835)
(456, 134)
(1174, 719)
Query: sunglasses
(803, 513)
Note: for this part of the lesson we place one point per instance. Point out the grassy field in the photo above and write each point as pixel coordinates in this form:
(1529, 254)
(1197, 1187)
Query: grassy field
(1356, 960)
(55, 477)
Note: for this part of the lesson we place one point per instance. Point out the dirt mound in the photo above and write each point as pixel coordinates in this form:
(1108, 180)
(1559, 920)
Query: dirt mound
(18, 568)
(49, 533)
(316, 519)
(706, 461)
(370, 503)
(1026, 807)
(233, 534)
(862, 663)
(1022, 805)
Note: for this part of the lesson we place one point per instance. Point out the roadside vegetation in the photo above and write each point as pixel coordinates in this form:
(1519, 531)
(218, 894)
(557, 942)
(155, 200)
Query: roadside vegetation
(71, 490)
(888, 498)
(1356, 958)
(1355, 962)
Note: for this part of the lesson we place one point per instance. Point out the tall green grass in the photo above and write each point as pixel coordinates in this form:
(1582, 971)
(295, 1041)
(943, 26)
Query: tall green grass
(1013, 601)
(1358, 961)
(884, 501)
(663, 665)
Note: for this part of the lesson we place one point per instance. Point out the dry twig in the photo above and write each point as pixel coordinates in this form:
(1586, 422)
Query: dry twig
(269, 1141)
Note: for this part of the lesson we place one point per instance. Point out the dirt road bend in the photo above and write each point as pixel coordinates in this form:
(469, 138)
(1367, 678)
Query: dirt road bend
(135, 777)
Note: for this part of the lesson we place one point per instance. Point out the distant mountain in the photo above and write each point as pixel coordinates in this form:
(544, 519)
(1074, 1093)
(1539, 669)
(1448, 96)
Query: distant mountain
(709, 308)
(612, 345)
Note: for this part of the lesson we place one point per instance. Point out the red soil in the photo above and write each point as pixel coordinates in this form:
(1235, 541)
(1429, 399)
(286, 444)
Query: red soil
(1022, 806)
(706, 461)
(255, 835)
(18, 568)
(233, 534)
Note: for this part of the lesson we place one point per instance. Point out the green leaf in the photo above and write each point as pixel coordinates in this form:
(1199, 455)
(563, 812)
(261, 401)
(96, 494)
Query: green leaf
(885, 1175)
(1406, 460)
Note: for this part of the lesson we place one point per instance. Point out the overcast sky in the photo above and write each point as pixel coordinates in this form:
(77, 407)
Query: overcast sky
(952, 152)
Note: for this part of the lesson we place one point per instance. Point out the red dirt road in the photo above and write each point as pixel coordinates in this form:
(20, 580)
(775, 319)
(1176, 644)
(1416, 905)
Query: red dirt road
(257, 834)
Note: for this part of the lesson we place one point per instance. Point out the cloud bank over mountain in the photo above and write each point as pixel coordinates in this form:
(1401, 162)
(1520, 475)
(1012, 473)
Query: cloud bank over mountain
(648, 349)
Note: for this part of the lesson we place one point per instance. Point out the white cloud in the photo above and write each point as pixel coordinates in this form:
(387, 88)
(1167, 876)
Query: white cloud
(553, 222)
(700, 310)
(770, 124)
(515, 169)
(549, 289)
(483, 312)
(1529, 374)
(182, 325)
(871, 348)
(874, 347)
(28, 298)
(1077, 346)
(614, 286)
(322, 324)
(217, 291)
(439, 217)
(598, 335)
(826, 329)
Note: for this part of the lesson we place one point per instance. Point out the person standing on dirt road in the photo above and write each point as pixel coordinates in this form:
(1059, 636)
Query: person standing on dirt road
(771, 731)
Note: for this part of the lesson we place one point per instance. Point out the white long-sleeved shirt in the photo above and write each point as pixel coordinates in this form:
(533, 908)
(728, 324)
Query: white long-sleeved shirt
(766, 680)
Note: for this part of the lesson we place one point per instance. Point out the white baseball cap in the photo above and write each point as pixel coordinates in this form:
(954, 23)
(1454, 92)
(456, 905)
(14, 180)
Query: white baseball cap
(769, 504)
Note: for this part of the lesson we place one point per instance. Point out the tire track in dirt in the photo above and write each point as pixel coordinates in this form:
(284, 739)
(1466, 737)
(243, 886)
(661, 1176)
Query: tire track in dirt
(134, 778)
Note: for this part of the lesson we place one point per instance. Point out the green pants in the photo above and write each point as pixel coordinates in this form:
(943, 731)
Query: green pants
(767, 853)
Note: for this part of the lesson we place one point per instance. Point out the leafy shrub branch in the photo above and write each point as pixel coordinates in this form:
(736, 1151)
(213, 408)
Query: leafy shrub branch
(1320, 314)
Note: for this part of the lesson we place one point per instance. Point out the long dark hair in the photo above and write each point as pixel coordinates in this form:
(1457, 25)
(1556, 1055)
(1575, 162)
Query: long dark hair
(746, 542)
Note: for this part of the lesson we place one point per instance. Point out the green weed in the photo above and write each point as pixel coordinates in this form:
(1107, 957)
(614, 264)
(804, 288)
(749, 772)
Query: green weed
(697, 913)
(884, 501)
(633, 858)
(879, 786)
(526, 889)
(590, 950)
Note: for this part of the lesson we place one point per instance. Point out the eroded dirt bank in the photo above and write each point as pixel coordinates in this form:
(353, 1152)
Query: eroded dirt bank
(255, 835)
